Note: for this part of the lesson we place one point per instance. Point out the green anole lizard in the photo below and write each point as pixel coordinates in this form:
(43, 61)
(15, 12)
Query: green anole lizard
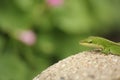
(104, 45)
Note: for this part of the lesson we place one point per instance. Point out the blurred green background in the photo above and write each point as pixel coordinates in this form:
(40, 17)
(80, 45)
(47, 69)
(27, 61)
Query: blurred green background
(54, 29)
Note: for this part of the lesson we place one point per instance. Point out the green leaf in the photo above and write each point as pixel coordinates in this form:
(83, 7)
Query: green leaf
(11, 68)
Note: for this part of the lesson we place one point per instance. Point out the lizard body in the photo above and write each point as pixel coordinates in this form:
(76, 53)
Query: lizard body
(104, 45)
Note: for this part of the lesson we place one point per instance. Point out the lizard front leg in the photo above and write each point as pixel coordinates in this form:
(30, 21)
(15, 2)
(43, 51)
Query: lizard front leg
(106, 51)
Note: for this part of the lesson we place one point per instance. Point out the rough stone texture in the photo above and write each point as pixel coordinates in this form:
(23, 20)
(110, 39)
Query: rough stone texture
(84, 66)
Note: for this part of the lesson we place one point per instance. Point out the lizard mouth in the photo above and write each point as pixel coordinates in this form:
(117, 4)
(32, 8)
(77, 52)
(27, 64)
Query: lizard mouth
(91, 45)
(86, 44)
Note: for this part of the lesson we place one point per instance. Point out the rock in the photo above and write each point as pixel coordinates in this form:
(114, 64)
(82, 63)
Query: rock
(90, 65)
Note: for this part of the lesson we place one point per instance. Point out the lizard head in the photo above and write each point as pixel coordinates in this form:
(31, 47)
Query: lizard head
(92, 42)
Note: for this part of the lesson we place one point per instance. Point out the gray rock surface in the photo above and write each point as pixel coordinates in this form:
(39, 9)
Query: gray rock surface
(84, 66)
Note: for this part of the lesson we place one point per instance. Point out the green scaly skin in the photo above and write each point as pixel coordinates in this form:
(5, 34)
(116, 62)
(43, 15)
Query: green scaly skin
(104, 45)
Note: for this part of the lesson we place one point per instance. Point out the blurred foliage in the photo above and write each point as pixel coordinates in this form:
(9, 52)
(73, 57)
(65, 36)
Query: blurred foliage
(58, 30)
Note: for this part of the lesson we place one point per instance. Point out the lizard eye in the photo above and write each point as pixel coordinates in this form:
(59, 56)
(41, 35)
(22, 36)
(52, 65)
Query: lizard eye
(90, 41)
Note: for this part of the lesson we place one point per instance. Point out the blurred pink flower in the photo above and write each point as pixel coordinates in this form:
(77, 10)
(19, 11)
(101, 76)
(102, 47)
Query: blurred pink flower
(55, 2)
(28, 37)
